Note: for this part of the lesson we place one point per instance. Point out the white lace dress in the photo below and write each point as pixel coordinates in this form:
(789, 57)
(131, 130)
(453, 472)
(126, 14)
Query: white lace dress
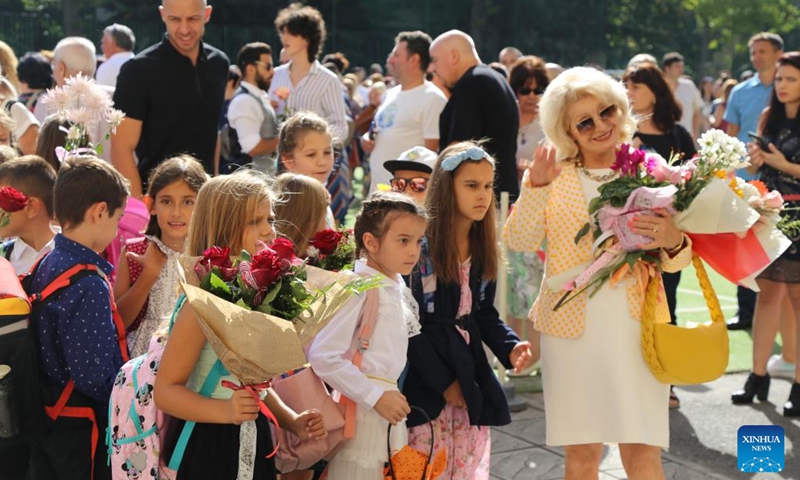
(161, 302)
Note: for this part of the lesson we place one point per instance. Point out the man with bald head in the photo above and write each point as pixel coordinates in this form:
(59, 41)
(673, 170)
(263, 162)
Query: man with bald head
(482, 105)
(508, 56)
(172, 95)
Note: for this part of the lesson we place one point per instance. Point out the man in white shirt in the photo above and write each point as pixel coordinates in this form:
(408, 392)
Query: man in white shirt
(252, 135)
(409, 115)
(117, 44)
(302, 83)
(685, 92)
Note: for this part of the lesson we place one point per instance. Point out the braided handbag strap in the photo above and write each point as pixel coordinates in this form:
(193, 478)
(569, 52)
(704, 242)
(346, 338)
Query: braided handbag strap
(649, 312)
(648, 325)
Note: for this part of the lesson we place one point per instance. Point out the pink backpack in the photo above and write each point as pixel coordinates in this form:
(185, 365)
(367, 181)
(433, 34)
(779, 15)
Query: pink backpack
(135, 425)
(136, 428)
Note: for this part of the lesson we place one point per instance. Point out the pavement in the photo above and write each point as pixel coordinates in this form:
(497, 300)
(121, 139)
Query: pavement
(703, 438)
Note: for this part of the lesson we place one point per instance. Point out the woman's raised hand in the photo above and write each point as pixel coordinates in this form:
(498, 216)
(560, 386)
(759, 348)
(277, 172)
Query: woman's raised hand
(544, 169)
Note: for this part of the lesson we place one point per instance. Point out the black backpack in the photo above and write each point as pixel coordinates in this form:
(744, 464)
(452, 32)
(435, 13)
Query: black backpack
(29, 402)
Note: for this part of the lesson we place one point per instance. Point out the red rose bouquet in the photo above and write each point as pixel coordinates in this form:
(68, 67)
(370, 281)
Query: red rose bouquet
(332, 250)
(272, 281)
(259, 311)
(11, 200)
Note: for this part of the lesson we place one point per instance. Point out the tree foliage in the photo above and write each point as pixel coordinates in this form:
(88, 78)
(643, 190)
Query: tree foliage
(711, 34)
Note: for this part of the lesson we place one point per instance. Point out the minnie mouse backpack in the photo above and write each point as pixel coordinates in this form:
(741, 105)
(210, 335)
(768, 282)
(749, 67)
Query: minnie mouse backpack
(136, 428)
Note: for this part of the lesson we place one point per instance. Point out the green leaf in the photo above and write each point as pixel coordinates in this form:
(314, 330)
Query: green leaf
(246, 257)
(265, 308)
(218, 284)
(99, 148)
(242, 304)
(582, 232)
(362, 284)
(595, 204)
(273, 293)
(631, 259)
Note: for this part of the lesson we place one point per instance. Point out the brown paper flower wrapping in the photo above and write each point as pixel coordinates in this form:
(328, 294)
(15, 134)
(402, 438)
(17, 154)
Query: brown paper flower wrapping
(254, 346)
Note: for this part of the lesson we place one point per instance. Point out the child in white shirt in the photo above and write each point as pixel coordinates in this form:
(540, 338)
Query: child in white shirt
(388, 231)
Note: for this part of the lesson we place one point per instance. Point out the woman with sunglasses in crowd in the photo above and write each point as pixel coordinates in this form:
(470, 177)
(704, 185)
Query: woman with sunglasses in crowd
(597, 386)
(779, 164)
(658, 113)
(528, 78)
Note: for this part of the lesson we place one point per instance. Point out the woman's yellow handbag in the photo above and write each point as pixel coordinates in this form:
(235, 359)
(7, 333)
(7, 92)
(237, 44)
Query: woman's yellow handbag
(682, 355)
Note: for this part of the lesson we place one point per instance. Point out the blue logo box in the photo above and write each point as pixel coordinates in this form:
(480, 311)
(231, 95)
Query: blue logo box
(760, 448)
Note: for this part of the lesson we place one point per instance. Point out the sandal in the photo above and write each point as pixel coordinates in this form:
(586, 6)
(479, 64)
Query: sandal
(674, 401)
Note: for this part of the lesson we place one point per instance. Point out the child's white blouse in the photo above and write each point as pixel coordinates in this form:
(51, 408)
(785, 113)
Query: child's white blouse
(385, 359)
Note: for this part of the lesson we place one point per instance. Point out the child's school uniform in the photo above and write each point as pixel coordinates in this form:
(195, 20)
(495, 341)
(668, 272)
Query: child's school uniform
(21, 255)
(363, 457)
(457, 318)
(161, 302)
(78, 340)
(224, 451)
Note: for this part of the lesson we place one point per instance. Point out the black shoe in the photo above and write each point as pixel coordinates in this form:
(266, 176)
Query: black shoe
(756, 386)
(792, 406)
(739, 323)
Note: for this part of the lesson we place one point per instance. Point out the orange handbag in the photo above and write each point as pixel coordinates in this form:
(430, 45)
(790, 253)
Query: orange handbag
(410, 464)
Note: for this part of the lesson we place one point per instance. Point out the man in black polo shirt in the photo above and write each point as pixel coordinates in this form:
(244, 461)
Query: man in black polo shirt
(482, 106)
(172, 95)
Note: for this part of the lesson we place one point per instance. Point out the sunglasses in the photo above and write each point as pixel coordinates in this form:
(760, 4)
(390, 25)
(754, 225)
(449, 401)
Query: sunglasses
(417, 184)
(606, 115)
(527, 91)
(267, 66)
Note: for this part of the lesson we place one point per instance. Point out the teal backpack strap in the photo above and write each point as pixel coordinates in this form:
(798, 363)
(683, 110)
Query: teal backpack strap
(109, 442)
(214, 375)
(178, 305)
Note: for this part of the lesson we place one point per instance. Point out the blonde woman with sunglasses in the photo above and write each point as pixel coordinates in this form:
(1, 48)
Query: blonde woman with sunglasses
(597, 386)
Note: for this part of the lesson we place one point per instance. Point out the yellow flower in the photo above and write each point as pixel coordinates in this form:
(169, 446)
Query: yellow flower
(384, 188)
(720, 174)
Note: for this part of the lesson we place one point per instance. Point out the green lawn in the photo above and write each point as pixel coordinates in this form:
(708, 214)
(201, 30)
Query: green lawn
(691, 305)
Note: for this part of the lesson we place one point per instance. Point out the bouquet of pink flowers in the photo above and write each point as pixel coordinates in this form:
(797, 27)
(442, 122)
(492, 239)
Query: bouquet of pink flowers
(732, 223)
(332, 250)
(85, 105)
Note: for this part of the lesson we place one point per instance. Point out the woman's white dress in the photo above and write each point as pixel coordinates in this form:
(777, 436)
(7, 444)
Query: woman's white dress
(597, 387)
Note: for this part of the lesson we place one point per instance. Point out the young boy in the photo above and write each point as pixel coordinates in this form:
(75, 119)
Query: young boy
(32, 226)
(77, 330)
(411, 172)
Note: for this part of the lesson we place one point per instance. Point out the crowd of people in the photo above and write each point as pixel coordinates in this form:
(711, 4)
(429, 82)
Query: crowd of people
(237, 153)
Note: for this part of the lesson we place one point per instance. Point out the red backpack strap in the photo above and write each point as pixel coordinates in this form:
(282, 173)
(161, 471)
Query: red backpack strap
(62, 281)
(119, 325)
(68, 278)
(368, 317)
(60, 409)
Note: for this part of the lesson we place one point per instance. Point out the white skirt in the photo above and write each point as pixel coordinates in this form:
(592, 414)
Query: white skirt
(598, 388)
(363, 456)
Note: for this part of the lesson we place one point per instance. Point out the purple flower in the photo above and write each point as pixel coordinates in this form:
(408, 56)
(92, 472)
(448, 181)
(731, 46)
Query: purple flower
(628, 160)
